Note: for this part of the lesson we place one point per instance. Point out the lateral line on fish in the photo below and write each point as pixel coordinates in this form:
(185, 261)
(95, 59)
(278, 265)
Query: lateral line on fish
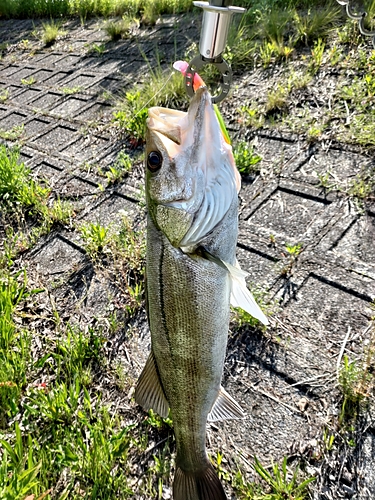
(161, 281)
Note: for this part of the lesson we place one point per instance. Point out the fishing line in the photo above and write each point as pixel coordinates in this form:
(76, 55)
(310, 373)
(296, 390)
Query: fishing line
(158, 92)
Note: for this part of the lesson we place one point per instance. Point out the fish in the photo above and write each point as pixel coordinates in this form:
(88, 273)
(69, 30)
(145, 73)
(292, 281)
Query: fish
(192, 277)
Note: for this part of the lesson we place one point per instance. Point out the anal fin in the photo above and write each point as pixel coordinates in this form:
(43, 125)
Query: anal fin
(225, 408)
(149, 392)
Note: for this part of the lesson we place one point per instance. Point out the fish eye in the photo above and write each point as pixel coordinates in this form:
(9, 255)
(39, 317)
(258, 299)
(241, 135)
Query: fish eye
(154, 161)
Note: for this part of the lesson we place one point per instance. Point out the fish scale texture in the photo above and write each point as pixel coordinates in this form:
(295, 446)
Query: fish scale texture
(189, 319)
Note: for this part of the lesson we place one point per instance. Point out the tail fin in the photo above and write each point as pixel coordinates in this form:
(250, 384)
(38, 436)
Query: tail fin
(204, 485)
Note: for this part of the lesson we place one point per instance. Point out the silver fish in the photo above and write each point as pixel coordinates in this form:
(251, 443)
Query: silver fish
(192, 189)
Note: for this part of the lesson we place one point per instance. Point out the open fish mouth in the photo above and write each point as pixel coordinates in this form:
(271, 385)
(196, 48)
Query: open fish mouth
(198, 174)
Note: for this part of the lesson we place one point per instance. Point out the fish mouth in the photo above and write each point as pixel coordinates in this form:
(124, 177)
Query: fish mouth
(173, 124)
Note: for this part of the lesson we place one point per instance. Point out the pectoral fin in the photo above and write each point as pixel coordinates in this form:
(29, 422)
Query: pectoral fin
(149, 392)
(225, 408)
(240, 295)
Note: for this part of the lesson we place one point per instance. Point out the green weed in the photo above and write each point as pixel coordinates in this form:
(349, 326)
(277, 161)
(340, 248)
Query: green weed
(317, 53)
(121, 167)
(72, 90)
(292, 253)
(317, 23)
(96, 49)
(356, 384)
(271, 52)
(13, 134)
(325, 182)
(16, 186)
(251, 116)
(28, 81)
(361, 188)
(50, 32)
(131, 110)
(277, 99)
(61, 211)
(281, 483)
(4, 94)
(18, 473)
(246, 159)
(118, 29)
(95, 237)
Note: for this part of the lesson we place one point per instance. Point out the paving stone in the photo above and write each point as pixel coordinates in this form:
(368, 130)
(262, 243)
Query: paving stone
(288, 214)
(40, 57)
(27, 96)
(57, 137)
(57, 257)
(36, 126)
(13, 119)
(27, 156)
(78, 187)
(68, 60)
(23, 73)
(81, 80)
(135, 66)
(14, 90)
(42, 74)
(111, 210)
(109, 65)
(57, 77)
(46, 100)
(336, 310)
(367, 470)
(45, 169)
(50, 59)
(109, 84)
(263, 268)
(342, 166)
(70, 105)
(9, 70)
(94, 111)
(85, 147)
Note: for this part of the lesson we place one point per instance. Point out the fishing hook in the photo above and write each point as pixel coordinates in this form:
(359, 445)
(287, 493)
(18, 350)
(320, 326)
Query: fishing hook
(215, 28)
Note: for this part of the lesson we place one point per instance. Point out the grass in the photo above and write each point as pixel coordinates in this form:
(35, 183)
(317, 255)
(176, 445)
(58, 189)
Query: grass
(28, 81)
(16, 186)
(278, 482)
(125, 248)
(119, 170)
(22, 198)
(161, 89)
(90, 8)
(118, 29)
(50, 32)
(247, 161)
(12, 134)
(72, 90)
(357, 382)
(272, 32)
